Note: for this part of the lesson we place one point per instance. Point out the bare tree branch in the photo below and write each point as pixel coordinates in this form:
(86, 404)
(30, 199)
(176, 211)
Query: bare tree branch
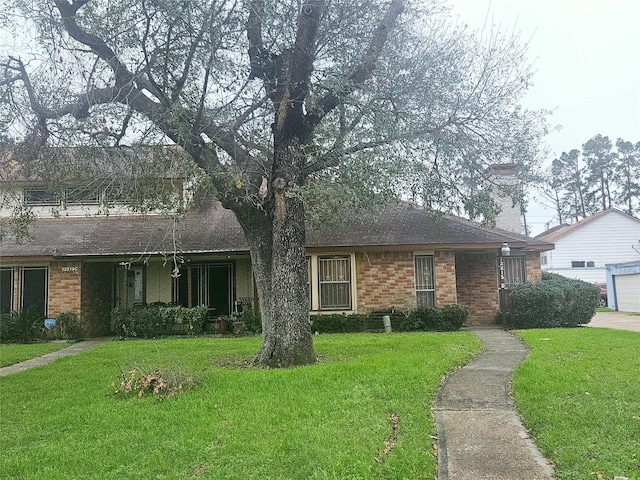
(363, 71)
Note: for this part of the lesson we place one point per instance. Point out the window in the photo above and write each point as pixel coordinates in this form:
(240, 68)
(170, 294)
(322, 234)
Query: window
(543, 259)
(334, 278)
(425, 281)
(577, 264)
(513, 271)
(187, 290)
(82, 196)
(6, 290)
(40, 196)
(33, 289)
(591, 264)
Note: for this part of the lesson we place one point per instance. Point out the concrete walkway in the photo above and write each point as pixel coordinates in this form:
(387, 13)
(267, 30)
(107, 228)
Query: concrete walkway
(617, 320)
(72, 349)
(480, 436)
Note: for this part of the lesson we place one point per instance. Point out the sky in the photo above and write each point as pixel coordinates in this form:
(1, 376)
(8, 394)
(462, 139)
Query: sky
(587, 60)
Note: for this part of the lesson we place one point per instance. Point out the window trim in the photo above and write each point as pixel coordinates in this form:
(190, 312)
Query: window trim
(348, 281)
(313, 265)
(22, 289)
(431, 291)
(52, 198)
(11, 288)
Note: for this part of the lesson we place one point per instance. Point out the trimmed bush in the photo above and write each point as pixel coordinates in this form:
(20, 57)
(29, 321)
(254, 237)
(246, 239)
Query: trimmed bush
(338, 323)
(447, 318)
(21, 326)
(157, 321)
(556, 301)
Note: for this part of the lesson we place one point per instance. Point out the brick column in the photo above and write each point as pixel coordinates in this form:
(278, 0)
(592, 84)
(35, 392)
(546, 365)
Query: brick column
(65, 279)
(445, 270)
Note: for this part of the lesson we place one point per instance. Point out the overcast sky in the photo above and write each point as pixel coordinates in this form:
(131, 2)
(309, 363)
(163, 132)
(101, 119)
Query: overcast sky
(587, 61)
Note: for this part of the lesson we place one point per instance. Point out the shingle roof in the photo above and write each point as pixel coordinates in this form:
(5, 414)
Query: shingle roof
(212, 229)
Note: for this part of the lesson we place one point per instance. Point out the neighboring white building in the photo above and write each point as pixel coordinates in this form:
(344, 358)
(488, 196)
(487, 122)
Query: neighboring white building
(584, 248)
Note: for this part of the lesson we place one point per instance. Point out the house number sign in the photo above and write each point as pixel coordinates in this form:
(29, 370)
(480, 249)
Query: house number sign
(69, 269)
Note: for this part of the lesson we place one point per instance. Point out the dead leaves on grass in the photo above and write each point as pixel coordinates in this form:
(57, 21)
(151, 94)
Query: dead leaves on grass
(158, 382)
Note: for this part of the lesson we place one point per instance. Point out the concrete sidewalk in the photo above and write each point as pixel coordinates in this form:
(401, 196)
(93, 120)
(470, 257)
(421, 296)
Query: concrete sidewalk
(480, 436)
(616, 320)
(72, 349)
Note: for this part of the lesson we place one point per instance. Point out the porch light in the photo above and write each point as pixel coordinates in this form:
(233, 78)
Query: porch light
(505, 250)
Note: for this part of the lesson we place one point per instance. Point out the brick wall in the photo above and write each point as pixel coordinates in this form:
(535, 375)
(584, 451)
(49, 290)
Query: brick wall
(477, 280)
(445, 267)
(65, 279)
(97, 298)
(385, 280)
(534, 270)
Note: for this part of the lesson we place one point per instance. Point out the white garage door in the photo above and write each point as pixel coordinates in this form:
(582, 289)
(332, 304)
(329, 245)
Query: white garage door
(628, 292)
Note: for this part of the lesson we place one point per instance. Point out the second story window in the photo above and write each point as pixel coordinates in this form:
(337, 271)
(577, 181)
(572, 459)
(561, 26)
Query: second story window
(40, 196)
(81, 196)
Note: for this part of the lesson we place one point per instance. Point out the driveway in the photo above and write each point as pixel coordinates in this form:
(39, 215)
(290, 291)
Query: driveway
(617, 320)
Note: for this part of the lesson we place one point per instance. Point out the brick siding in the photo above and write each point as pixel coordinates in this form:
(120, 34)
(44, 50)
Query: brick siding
(477, 280)
(65, 279)
(446, 288)
(385, 280)
(534, 269)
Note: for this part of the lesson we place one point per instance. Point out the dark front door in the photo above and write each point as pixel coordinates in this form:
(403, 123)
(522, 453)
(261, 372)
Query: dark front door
(220, 288)
(34, 289)
(512, 271)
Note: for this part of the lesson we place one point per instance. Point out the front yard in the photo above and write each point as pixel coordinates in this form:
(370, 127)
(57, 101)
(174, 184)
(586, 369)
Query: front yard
(363, 412)
(579, 393)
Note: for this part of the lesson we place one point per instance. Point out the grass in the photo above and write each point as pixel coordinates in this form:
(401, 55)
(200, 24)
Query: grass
(328, 421)
(14, 353)
(579, 393)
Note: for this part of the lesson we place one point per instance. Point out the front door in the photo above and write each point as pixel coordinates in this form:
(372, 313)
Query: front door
(220, 288)
(512, 271)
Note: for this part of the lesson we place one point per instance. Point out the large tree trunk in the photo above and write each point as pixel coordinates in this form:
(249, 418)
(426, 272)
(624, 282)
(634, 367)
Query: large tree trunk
(276, 240)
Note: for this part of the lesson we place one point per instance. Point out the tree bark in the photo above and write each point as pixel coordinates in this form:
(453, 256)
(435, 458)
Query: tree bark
(276, 237)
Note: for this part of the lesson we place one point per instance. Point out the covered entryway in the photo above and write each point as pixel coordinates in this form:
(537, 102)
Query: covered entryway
(512, 271)
(219, 288)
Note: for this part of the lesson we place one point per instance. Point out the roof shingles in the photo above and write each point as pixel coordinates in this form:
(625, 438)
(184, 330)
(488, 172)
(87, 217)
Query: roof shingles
(212, 229)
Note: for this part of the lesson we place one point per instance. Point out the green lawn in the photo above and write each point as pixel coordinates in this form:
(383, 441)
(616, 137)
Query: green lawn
(14, 353)
(579, 393)
(328, 421)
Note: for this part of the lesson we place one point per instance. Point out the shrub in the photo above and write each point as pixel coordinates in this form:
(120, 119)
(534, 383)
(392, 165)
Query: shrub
(65, 328)
(157, 321)
(250, 321)
(556, 301)
(338, 323)
(443, 319)
(21, 326)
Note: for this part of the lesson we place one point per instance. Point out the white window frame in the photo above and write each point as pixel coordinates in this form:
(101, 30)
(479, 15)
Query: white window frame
(313, 262)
